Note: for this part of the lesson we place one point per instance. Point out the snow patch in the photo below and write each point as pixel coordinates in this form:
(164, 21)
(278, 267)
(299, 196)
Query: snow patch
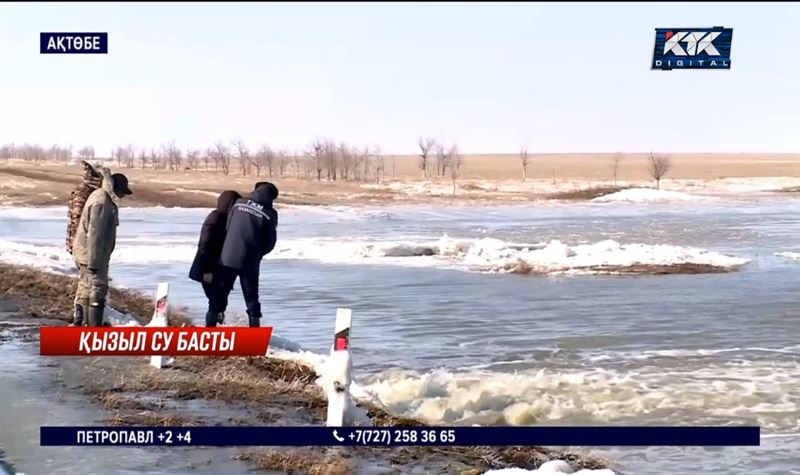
(648, 195)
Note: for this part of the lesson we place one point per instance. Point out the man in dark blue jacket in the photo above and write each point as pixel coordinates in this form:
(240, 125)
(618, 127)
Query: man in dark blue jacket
(252, 233)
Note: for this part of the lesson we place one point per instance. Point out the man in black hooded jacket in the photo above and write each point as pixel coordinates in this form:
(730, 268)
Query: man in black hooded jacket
(252, 233)
(205, 267)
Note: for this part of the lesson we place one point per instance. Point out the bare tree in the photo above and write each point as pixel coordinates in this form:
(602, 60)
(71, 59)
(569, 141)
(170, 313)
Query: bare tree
(192, 158)
(380, 165)
(659, 165)
(121, 154)
(211, 153)
(442, 158)
(259, 159)
(346, 160)
(366, 161)
(523, 158)
(297, 165)
(86, 153)
(130, 156)
(616, 159)
(454, 160)
(317, 153)
(172, 155)
(176, 158)
(143, 158)
(331, 159)
(425, 147)
(7, 151)
(155, 159)
(357, 157)
(59, 154)
(243, 155)
(222, 156)
(283, 162)
(265, 158)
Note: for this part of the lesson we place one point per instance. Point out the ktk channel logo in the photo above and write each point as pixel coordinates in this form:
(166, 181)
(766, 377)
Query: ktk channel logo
(692, 48)
(73, 43)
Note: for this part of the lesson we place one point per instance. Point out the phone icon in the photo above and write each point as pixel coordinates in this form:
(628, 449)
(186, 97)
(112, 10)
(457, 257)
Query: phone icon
(336, 436)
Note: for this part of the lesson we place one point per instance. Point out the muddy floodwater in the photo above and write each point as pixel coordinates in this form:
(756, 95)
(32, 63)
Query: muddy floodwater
(442, 332)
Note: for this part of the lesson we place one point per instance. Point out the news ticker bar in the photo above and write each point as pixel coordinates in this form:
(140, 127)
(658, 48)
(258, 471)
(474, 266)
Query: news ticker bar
(401, 436)
(153, 341)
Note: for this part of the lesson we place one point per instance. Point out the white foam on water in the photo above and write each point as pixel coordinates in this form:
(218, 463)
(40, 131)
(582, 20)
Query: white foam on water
(795, 256)
(476, 255)
(289, 350)
(119, 319)
(45, 213)
(765, 392)
(39, 213)
(648, 195)
(47, 258)
(780, 436)
(494, 255)
(57, 259)
(552, 467)
(689, 353)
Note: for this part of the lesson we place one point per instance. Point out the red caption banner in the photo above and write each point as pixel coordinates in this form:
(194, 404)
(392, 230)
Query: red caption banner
(159, 341)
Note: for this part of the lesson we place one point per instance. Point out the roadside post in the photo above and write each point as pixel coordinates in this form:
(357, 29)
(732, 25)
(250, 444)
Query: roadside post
(160, 318)
(339, 372)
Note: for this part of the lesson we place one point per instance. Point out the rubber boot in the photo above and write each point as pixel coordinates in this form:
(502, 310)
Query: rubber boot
(254, 319)
(77, 317)
(211, 319)
(95, 315)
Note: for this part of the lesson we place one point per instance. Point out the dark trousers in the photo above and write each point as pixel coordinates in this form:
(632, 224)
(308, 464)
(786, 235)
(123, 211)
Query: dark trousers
(210, 290)
(248, 280)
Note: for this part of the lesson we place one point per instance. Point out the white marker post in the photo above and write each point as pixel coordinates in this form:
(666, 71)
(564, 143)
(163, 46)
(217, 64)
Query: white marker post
(338, 371)
(160, 318)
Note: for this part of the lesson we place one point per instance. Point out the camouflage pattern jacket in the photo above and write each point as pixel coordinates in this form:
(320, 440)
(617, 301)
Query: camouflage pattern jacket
(96, 235)
(90, 181)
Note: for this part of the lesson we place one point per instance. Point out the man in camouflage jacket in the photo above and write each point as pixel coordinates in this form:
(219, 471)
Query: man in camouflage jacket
(90, 181)
(95, 239)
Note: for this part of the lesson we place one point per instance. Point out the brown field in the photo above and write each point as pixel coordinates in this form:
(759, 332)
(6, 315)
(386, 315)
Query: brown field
(596, 167)
(492, 178)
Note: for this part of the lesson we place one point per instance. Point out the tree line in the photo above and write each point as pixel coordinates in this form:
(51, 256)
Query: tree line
(322, 159)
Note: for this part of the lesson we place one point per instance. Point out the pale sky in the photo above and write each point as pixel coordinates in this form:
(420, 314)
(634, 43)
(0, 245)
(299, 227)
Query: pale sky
(491, 77)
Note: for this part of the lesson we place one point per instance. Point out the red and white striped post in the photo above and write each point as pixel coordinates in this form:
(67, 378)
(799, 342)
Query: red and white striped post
(339, 371)
(160, 318)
